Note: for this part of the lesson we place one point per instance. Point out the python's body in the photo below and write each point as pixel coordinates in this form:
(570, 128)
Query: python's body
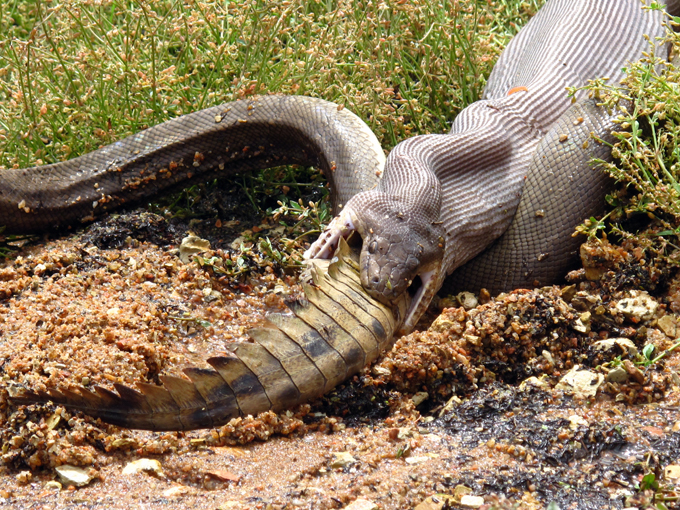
(513, 173)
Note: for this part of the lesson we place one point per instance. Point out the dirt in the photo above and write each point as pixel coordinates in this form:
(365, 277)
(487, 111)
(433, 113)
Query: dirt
(472, 404)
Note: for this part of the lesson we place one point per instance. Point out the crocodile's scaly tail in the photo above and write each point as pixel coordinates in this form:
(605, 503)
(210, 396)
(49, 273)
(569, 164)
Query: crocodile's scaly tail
(330, 335)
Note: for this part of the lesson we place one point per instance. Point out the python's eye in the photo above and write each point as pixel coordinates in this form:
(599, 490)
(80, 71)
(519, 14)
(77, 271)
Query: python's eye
(372, 247)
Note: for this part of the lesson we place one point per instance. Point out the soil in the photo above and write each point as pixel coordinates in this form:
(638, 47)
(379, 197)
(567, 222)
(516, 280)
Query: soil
(471, 405)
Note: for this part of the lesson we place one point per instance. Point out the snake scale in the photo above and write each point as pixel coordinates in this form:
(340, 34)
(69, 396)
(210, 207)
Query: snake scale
(495, 200)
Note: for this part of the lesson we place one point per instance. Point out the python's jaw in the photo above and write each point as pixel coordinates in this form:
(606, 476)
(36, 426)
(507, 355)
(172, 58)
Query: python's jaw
(421, 299)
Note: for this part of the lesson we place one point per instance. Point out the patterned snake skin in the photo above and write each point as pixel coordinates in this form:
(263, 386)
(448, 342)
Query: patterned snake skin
(513, 173)
(514, 169)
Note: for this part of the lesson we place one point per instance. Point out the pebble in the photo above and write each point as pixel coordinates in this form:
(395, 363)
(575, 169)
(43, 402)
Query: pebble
(617, 375)
(362, 504)
(640, 305)
(24, 477)
(53, 484)
(191, 245)
(580, 383)
(72, 475)
(535, 382)
(610, 343)
(143, 465)
(342, 460)
(416, 460)
(467, 300)
(420, 397)
(672, 471)
(472, 501)
(436, 502)
(669, 325)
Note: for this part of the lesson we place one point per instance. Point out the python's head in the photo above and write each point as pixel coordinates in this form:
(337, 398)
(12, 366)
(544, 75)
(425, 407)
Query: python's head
(402, 249)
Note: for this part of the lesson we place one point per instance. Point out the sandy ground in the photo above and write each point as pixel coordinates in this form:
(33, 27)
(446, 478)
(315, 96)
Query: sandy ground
(448, 412)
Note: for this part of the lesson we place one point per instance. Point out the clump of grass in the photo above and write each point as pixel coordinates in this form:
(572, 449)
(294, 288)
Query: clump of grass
(76, 75)
(647, 149)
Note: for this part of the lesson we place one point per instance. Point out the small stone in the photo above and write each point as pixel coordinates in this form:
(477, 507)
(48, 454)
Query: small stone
(24, 477)
(460, 491)
(123, 442)
(450, 405)
(580, 383)
(230, 505)
(405, 432)
(580, 326)
(151, 466)
(342, 460)
(669, 325)
(419, 398)
(535, 382)
(362, 504)
(576, 421)
(622, 344)
(547, 355)
(72, 475)
(436, 502)
(617, 375)
(672, 471)
(416, 460)
(53, 484)
(568, 293)
(472, 501)
(634, 372)
(640, 306)
(53, 421)
(176, 491)
(192, 245)
(442, 324)
(223, 475)
(467, 300)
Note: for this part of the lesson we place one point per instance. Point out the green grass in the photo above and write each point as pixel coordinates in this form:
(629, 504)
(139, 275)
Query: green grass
(77, 75)
(647, 153)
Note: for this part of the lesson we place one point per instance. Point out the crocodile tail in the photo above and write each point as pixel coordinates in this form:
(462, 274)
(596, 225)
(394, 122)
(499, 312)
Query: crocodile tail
(334, 331)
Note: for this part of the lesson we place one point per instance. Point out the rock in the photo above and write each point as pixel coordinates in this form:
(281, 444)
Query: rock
(580, 383)
(535, 382)
(624, 344)
(576, 421)
(177, 491)
(640, 306)
(53, 484)
(547, 355)
(342, 460)
(450, 405)
(634, 372)
(467, 300)
(72, 475)
(362, 504)
(151, 466)
(580, 326)
(436, 502)
(472, 501)
(672, 471)
(669, 325)
(617, 375)
(416, 460)
(191, 245)
(230, 505)
(419, 398)
(24, 477)
(224, 476)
